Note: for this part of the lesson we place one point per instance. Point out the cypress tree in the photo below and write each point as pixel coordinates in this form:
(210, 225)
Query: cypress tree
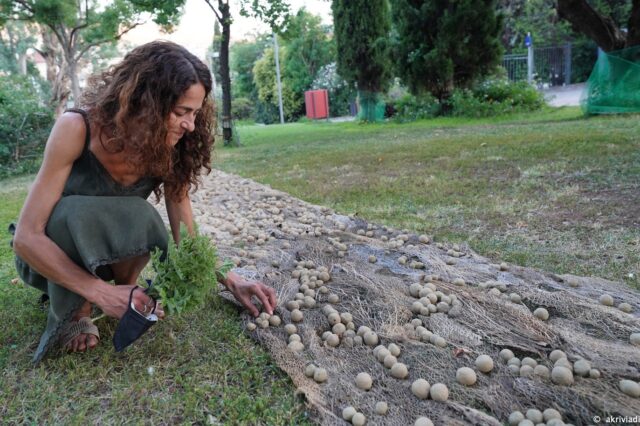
(361, 31)
(442, 44)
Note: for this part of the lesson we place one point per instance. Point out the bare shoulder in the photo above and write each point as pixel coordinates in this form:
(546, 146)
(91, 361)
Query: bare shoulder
(67, 137)
(71, 125)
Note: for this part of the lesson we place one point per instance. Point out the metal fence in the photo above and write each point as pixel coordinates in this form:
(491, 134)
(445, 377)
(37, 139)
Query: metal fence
(542, 65)
(516, 66)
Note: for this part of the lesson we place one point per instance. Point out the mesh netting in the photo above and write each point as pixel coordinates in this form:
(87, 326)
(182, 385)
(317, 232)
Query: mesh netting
(614, 84)
(269, 234)
(371, 106)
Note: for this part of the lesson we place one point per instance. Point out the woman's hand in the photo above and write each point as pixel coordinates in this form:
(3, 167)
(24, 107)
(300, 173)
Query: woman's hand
(114, 301)
(244, 289)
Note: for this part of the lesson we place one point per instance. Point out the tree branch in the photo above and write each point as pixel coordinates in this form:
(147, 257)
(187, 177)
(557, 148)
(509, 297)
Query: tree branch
(74, 31)
(59, 34)
(106, 40)
(25, 4)
(585, 19)
(214, 11)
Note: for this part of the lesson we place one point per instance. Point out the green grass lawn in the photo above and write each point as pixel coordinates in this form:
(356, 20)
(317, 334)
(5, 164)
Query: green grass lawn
(192, 369)
(551, 190)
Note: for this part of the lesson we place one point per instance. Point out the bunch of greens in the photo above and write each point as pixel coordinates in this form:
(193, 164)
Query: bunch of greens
(188, 273)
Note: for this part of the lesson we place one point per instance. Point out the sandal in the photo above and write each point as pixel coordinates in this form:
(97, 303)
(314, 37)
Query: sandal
(75, 328)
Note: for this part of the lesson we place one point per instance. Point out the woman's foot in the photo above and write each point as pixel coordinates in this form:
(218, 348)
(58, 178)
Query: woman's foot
(81, 341)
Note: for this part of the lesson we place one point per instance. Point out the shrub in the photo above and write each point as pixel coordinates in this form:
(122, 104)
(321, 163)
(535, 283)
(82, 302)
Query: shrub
(266, 113)
(24, 125)
(410, 107)
(495, 96)
(242, 108)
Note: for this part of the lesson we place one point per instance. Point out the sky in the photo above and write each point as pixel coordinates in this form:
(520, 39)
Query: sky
(195, 30)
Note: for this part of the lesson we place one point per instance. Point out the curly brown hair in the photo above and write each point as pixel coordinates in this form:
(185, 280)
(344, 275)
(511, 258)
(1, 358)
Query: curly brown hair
(130, 103)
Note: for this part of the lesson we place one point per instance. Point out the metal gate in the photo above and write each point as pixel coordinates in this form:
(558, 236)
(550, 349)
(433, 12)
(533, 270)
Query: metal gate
(551, 65)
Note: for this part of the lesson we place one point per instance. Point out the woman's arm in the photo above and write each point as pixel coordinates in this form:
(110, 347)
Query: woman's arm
(179, 212)
(31, 243)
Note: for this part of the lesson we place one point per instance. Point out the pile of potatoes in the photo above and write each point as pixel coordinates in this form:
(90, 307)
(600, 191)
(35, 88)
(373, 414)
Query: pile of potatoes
(423, 334)
(316, 373)
(422, 389)
(388, 356)
(342, 328)
(467, 376)
(340, 247)
(310, 279)
(562, 371)
(264, 320)
(548, 417)
(352, 415)
(430, 299)
(495, 288)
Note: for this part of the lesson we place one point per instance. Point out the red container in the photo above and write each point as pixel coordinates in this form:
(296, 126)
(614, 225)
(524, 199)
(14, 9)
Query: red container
(317, 103)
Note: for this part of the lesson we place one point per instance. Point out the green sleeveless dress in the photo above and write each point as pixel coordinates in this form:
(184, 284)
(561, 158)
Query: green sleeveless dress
(97, 222)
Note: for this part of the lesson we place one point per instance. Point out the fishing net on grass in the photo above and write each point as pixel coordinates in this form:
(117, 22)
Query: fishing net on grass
(614, 84)
(268, 233)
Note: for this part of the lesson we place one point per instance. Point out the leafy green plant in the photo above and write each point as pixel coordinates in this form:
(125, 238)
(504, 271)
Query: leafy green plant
(188, 273)
(410, 108)
(495, 96)
(242, 108)
(24, 125)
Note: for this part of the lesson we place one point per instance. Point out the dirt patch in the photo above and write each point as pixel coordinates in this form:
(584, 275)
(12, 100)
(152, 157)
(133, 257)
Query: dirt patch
(371, 272)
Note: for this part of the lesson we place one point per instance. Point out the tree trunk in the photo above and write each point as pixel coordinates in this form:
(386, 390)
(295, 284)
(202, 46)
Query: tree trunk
(49, 53)
(72, 72)
(56, 72)
(60, 92)
(601, 29)
(225, 77)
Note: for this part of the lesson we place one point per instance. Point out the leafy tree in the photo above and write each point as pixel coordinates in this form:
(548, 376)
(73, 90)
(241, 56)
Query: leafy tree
(15, 39)
(243, 57)
(77, 26)
(305, 48)
(264, 74)
(361, 33)
(24, 125)
(612, 24)
(308, 48)
(539, 17)
(458, 43)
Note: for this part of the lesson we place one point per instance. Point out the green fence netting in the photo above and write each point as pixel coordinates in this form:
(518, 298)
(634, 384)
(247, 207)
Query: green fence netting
(371, 106)
(614, 84)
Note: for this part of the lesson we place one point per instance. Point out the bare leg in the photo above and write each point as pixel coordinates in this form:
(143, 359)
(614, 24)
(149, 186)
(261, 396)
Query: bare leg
(125, 272)
(128, 271)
